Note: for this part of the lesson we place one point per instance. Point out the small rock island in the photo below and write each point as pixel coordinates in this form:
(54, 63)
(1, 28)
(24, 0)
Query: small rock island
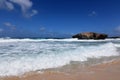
(90, 35)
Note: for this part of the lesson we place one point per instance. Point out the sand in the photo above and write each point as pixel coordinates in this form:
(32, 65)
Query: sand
(105, 71)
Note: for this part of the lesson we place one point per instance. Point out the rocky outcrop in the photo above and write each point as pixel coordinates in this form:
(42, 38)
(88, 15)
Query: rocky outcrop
(90, 35)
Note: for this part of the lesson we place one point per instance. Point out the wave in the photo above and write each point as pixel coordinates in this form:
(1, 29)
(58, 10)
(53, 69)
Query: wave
(18, 58)
(67, 40)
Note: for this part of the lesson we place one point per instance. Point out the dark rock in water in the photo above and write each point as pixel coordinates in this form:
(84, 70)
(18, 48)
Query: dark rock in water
(90, 35)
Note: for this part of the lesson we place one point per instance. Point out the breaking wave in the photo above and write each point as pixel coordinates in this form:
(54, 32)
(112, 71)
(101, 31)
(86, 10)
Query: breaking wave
(18, 56)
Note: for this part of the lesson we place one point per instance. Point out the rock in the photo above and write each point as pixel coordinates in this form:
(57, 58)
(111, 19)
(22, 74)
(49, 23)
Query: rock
(90, 35)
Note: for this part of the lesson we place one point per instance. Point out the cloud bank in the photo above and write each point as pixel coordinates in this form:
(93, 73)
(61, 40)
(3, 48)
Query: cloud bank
(25, 6)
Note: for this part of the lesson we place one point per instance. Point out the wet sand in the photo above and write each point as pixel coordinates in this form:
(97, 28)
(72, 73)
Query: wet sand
(105, 71)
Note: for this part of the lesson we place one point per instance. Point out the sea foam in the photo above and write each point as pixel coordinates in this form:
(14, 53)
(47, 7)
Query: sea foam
(18, 56)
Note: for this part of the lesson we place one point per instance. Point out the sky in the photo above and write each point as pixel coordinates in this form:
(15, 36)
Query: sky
(58, 18)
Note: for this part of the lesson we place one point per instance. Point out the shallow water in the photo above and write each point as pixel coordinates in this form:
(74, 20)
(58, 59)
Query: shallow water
(18, 56)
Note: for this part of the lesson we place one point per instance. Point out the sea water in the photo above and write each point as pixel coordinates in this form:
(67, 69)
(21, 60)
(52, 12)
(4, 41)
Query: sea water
(18, 56)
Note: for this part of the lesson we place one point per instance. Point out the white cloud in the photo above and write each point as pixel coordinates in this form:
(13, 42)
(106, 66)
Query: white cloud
(25, 5)
(93, 13)
(34, 12)
(11, 26)
(6, 5)
(30, 14)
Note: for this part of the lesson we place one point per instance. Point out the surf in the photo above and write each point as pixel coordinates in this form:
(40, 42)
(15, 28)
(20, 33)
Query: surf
(18, 56)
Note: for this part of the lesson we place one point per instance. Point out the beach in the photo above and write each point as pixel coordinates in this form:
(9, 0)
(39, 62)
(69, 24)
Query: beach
(105, 71)
(59, 39)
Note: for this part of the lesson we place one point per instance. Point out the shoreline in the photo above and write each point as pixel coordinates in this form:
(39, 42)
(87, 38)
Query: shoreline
(104, 71)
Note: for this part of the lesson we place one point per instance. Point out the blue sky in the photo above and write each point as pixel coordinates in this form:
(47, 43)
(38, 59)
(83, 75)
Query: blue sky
(38, 18)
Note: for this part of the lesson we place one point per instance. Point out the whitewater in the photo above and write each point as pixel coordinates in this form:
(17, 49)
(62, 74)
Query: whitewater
(18, 56)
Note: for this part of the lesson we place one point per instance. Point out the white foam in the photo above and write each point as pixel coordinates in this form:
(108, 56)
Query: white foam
(67, 40)
(27, 39)
(117, 45)
(26, 56)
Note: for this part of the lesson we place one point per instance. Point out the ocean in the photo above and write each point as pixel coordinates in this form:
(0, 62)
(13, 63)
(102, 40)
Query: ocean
(18, 56)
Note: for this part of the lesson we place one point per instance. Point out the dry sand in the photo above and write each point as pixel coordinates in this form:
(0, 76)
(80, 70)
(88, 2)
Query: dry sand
(106, 71)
